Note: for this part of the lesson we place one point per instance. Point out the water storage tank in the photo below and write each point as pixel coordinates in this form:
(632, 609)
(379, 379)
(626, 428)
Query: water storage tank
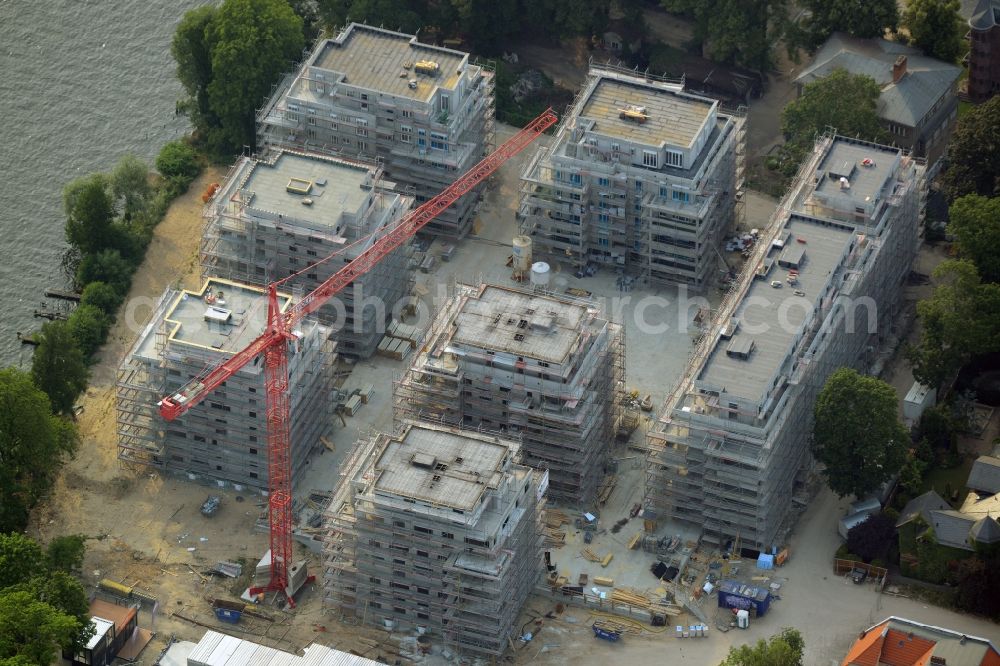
(540, 274)
(522, 254)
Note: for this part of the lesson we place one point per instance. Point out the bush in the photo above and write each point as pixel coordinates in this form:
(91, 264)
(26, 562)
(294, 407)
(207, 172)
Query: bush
(102, 296)
(178, 162)
(89, 327)
(109, 267)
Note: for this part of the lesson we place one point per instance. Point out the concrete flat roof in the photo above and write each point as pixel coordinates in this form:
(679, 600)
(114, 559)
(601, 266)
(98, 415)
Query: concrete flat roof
(777, 312)
(441, 466)
(519, 323)
(332, 187)
(193, 321)
(846, 158)
(674, 118)
(373, 59)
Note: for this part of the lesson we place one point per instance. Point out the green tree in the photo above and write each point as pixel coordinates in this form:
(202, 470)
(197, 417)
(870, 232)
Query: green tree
(975, 221)
(65, 553)
(33, 443)
(860, 18)
(58, 366)
(857, 433)
(959, 320)
(784, 649)
(178, 161)
(844, 101)
(978, 589)
(402, 15)
(130, 186)
(974, 153)
(61, 591)
(31, 631)
(102, 296)
(871, 539)
(252, 43)
(90, 214)
(936, 27)
(740, 32)
(109, 267)
(89, 327)
(20, 559)
(192, 51)
(489, 24)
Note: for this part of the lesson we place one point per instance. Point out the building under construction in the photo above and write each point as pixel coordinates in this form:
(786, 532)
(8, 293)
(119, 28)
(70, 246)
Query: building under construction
(820, 291)
(276, 217)
(641, 175)
(436, 528)
(546, 369)
(424, 111)
(224, 438)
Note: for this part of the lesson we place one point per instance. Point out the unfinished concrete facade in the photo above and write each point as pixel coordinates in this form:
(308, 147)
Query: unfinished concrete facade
(439, 528)
(276, 217)
(426, 112)
(224, 438)
(641, 176)
(820, 292)
(546, 369)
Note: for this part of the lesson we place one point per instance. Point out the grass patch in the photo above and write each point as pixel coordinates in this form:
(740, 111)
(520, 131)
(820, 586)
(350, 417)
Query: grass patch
(964, 108)
(941, 480)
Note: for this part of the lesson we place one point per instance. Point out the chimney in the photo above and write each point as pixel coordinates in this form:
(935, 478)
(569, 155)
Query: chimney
(899, 69)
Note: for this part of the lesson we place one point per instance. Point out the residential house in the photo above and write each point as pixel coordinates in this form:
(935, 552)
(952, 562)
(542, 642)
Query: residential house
(896, 641)
(917, 104)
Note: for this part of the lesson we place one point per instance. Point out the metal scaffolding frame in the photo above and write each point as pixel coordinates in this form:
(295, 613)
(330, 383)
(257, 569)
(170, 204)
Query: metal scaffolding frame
(566, 414)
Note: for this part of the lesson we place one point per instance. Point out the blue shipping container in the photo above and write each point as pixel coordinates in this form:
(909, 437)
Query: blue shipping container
(228, 615)
(733, 594)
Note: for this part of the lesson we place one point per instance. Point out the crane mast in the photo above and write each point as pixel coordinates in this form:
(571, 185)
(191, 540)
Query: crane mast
(272, 343)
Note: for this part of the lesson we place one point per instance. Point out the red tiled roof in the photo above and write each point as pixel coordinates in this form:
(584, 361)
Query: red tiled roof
(991, 658)
(902, 649)
(866, 650)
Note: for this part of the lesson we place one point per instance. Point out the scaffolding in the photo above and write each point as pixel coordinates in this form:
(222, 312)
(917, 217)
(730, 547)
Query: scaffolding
(223, 439)
(562, 394)
(424, 141)
(592, 197)
(732, 465)
(436, 529)
(245, 239)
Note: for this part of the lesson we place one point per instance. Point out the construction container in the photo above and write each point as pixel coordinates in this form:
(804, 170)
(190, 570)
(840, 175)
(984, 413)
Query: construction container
(734, 594)
(228, 615)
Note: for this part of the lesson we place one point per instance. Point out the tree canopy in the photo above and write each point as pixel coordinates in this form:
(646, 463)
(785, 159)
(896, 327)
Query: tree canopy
(857, 433)
(871, 539)
(959, 320)
(227, 60)
(130, 186)
(90, 214)
(783, 649)
(58, 366)
(843, 101)
(43, 609)
(975, 221)
(974, 153)
(860, 18)
(936, 27)
(739, 32)
(32, 444)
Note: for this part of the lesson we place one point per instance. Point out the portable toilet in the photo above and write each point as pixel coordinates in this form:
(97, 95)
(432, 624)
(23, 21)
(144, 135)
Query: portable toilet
(743, 619)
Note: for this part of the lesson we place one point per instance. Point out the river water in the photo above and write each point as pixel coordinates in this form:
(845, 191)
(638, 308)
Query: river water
(82, 82)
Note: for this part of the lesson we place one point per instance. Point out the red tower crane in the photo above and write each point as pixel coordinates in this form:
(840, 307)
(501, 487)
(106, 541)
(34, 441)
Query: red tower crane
(278, 332)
